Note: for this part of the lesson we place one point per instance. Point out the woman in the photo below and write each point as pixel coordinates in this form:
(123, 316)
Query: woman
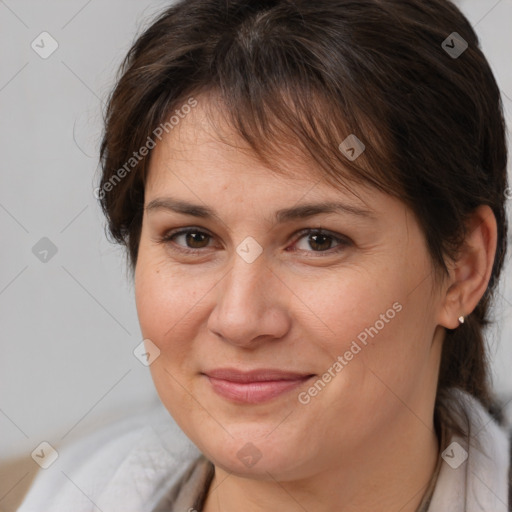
(312, 198)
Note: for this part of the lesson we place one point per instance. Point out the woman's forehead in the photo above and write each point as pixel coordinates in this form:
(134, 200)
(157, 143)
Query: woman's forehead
(204, 143)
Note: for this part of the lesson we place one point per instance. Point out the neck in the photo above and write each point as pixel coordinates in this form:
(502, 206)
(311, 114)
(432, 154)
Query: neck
(391, 473)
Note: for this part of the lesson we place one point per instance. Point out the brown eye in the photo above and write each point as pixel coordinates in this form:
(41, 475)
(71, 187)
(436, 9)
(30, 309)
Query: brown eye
(192, 239)
(320, 241)
(196, 240)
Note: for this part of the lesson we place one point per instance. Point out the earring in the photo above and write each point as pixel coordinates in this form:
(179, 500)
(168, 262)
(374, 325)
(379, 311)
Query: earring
(461, 320)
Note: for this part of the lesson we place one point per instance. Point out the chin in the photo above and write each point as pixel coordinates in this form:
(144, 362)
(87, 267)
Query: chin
(260, 460)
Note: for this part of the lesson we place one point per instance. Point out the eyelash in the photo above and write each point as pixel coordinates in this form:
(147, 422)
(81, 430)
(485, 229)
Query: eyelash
(343, 242)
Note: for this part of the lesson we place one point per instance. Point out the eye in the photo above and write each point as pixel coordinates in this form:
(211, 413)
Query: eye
(321, 241)
(193, 239)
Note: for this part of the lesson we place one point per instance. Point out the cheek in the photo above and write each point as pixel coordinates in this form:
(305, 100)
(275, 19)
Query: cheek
(167, 296)
(168, 309)
(374, 324)
(351, 306)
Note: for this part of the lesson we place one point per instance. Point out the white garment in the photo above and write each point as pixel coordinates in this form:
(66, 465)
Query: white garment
(124, 467)
(481, 483)
(129, 466)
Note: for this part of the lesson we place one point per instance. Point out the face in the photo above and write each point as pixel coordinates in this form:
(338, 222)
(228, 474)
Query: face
(337, 308)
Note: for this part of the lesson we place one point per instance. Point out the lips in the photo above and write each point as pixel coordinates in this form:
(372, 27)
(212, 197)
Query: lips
(255, 386)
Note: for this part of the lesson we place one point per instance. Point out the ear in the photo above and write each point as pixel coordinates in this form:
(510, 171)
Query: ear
(470, 274)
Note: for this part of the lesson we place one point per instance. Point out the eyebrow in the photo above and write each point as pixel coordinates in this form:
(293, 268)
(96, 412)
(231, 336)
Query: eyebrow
(302, 211)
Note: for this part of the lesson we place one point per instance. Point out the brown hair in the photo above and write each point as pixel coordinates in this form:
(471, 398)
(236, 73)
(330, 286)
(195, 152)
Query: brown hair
(303, 74)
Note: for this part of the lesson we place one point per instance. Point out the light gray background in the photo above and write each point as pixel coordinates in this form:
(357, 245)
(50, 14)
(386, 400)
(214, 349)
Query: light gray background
(69, 326)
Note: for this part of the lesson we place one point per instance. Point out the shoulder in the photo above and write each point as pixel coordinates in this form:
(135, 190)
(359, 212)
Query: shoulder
(510, 474)
(125, 466)
(508, 418)
(484, 457)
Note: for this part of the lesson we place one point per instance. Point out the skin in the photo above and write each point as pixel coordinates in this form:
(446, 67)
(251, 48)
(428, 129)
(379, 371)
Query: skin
(366, 441)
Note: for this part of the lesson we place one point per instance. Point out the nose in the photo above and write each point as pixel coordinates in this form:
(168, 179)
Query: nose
(251, 305)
